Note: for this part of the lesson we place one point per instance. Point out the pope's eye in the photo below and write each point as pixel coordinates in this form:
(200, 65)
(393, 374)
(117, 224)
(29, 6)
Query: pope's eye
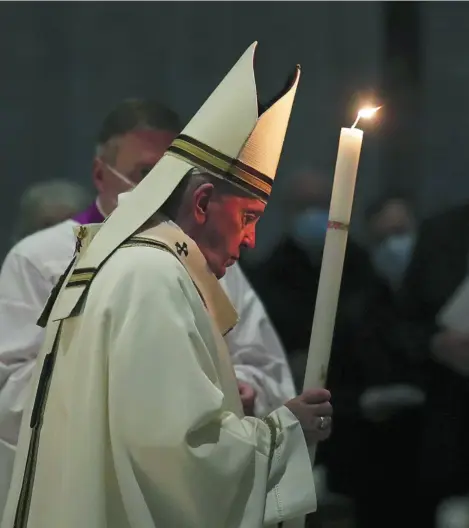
(249, 218)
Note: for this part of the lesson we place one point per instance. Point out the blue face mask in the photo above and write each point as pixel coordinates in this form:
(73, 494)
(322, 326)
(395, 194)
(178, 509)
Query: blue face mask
(392, 256)
(309, 229)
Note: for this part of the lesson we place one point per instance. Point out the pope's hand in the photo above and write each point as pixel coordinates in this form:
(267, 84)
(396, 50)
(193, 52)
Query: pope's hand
(248, 397)
(314, 411)
(451, 348)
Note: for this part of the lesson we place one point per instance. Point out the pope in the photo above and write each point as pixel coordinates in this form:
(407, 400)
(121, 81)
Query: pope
(135, 418)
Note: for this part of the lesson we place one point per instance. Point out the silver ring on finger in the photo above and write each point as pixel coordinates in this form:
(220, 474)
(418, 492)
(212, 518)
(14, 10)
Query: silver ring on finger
(324, 422)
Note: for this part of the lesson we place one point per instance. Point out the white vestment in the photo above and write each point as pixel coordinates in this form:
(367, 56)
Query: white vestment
(143, 425)
(30, 271)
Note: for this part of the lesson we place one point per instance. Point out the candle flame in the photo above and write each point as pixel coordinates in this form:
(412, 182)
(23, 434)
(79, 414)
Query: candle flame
(366, 113)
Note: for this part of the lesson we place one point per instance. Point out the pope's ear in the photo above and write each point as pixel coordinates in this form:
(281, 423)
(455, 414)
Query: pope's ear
(201, 201)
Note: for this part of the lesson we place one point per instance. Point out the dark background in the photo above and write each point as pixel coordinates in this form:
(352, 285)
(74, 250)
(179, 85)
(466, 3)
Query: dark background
(64, 65)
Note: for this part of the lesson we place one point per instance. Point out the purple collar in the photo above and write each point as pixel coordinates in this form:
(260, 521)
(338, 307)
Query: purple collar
(89, 216)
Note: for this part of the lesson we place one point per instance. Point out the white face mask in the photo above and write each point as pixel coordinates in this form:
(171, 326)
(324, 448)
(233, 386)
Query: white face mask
(391, 257)
(309, 230)
(119, 176)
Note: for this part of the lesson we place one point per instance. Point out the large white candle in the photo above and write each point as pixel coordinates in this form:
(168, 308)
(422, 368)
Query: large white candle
(333, 256)
(334, 253)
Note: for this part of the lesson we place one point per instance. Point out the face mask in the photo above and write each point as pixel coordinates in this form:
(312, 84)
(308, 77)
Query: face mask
(309, 229)
(391, 257)
(121, 177)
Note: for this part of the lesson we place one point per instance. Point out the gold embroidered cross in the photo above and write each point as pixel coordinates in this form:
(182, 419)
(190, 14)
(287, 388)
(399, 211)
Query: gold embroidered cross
(81, 235)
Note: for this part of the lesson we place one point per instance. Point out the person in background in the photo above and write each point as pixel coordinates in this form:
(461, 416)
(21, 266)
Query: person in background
(440, 356)
(453, 513)
(367, 453)
(46, 204)
(392, 226)
(132, 138)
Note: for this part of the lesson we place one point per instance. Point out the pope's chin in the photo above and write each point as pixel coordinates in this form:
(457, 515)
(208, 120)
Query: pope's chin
(219, 270)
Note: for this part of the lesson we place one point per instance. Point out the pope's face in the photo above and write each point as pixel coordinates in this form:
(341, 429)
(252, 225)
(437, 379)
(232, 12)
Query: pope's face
(230, 225)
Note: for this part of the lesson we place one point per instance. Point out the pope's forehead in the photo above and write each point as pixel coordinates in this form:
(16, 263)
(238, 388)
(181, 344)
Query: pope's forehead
(243, 202)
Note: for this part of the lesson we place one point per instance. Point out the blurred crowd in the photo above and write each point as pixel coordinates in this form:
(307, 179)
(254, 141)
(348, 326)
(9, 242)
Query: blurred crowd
(399, 382)
(398, 453)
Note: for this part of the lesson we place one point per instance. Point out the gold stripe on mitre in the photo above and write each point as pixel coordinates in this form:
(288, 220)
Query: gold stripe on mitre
(217, 163)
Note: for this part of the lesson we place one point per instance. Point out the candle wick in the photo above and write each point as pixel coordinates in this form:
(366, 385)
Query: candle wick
(356, 121)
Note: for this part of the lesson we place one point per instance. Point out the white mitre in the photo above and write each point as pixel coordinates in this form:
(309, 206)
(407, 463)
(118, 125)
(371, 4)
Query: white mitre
(227, 137)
